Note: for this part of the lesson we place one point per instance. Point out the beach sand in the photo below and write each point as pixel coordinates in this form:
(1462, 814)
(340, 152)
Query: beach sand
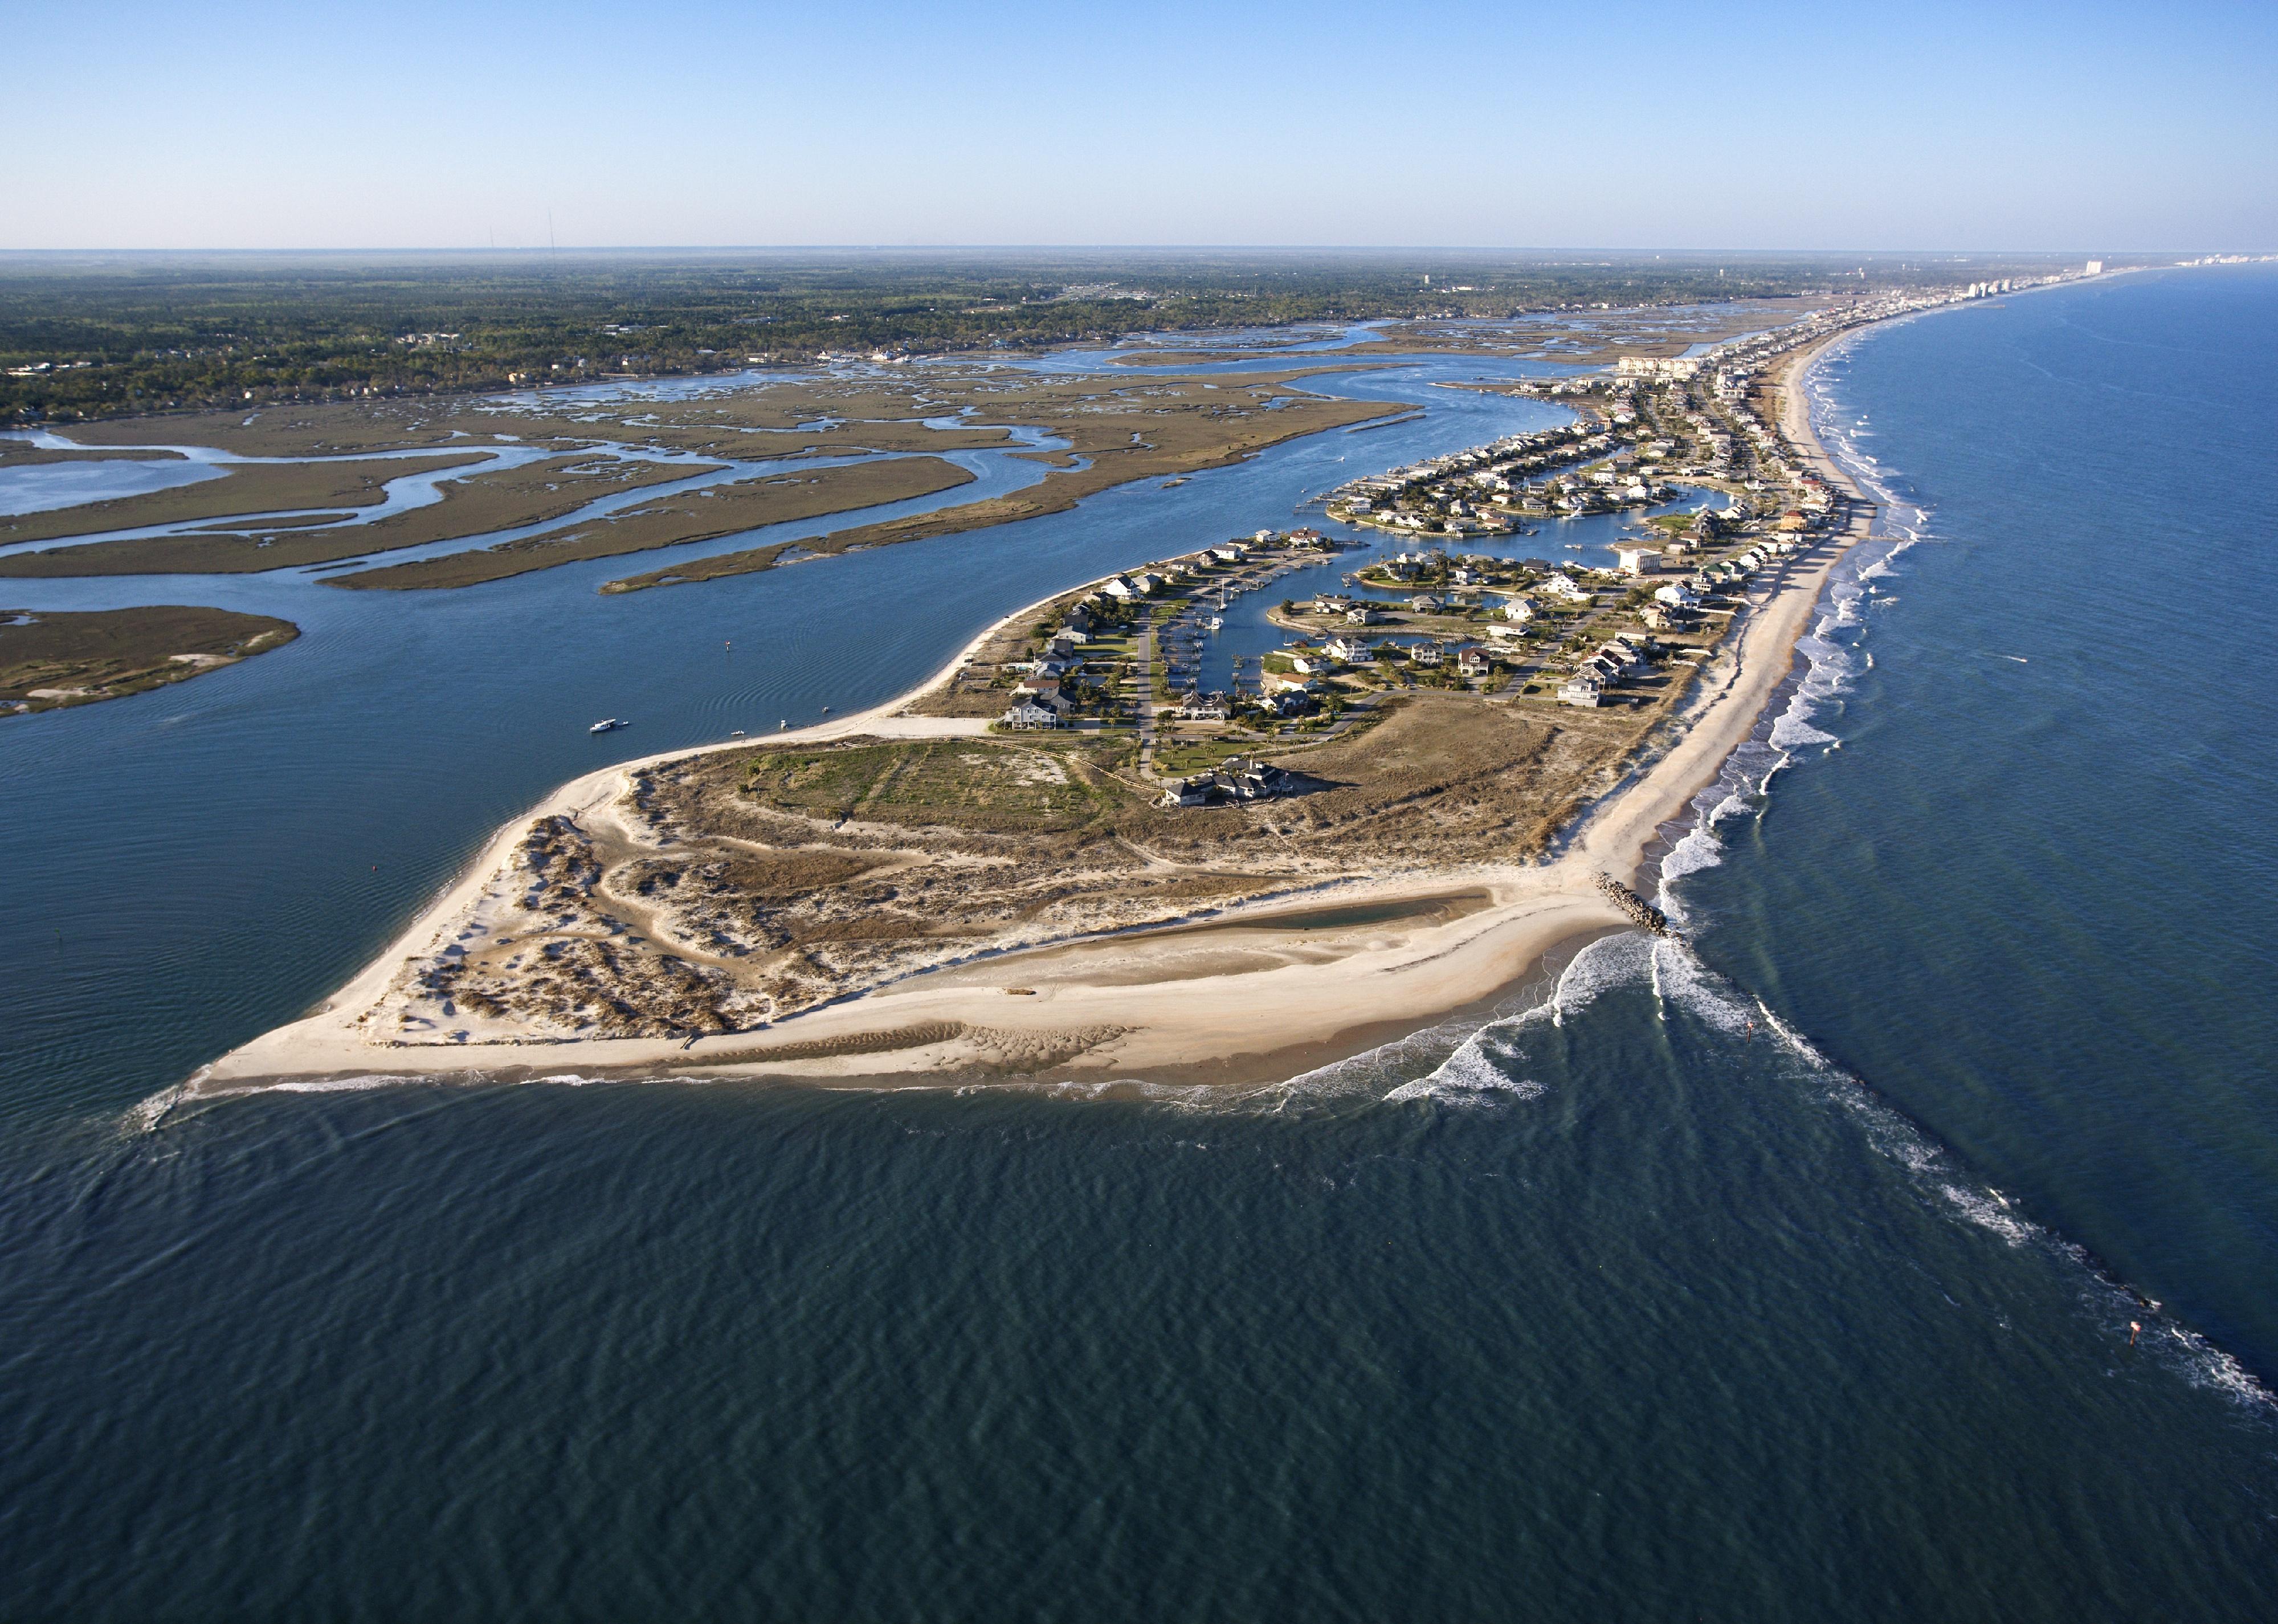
(1246, 996)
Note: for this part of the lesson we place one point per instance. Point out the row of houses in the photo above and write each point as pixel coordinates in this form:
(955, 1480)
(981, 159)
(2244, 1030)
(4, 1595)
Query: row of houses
(1493, 473)
(1040, 699)
(1307, 662)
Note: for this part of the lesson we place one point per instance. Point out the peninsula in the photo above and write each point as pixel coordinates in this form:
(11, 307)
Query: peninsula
(1015, 869)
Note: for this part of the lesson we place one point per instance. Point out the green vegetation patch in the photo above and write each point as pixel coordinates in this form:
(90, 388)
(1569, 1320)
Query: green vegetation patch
(966, 783)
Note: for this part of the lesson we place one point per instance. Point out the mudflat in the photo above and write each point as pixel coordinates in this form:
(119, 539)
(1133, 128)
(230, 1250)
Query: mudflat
(23, 453)
(244, 487)
(692, 515)
(1123, 431)
(483, 501)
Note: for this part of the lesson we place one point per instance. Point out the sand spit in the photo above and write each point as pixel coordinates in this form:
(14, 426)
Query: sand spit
(1234, 994)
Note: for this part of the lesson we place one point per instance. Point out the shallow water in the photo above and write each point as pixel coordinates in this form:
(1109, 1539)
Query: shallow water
(1778, 1277)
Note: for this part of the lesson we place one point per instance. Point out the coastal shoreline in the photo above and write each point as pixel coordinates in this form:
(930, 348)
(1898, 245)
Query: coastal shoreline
(1138, 1016)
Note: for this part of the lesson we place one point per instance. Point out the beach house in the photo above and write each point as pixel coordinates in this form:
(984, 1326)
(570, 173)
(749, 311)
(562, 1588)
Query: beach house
(1031, 711)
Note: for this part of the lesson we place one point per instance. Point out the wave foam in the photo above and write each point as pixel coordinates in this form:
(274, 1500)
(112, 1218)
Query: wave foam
(1469, 1077)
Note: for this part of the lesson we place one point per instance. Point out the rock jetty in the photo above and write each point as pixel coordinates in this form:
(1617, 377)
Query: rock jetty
(1635, 906)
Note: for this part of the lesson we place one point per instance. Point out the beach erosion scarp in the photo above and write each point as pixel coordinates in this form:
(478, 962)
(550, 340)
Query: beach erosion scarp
(1142, 1003)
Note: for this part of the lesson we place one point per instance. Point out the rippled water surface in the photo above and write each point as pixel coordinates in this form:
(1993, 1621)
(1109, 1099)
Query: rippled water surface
(1784, 1275)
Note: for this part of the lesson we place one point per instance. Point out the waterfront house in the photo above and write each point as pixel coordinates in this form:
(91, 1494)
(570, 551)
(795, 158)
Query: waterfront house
(1584, 691)
(1362, 614)
(1638, 560)
(1028, 713)
(1425, 604)
(1473, 661)
(1349, 649)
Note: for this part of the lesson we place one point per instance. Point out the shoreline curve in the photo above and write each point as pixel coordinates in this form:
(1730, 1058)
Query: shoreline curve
(1249, 1025)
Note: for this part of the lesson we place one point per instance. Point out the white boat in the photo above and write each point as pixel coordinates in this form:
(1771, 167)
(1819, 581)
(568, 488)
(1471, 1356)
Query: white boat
(605, 725)
(1215, 623)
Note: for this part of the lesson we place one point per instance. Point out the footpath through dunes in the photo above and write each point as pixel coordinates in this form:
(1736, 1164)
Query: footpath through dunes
(50, 658)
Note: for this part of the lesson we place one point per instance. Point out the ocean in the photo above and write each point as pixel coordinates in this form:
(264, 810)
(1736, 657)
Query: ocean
(1784, 1273)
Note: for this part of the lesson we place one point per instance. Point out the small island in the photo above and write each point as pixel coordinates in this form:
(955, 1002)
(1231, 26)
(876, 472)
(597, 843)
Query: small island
(51, 658)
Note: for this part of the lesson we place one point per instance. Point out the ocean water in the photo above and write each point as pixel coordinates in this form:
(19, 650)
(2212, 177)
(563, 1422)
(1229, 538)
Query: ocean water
(1785, 1274)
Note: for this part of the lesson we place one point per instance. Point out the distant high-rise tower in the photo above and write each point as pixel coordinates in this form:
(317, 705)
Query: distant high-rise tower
(2096, 267)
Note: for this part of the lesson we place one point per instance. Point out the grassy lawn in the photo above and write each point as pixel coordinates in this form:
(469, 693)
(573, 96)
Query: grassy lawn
(1183, 759)
(1038, 782)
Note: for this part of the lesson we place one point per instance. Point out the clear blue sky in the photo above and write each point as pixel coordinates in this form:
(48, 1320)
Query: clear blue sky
(2088, 125)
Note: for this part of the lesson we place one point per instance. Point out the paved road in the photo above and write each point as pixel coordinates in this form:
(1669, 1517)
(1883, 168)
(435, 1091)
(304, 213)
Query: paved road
(1143, 702)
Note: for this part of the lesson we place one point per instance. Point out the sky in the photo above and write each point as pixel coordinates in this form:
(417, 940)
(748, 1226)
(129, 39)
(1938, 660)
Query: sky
(340, 124)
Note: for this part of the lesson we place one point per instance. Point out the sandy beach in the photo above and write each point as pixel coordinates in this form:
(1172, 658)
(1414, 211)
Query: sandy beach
(1251, 992)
